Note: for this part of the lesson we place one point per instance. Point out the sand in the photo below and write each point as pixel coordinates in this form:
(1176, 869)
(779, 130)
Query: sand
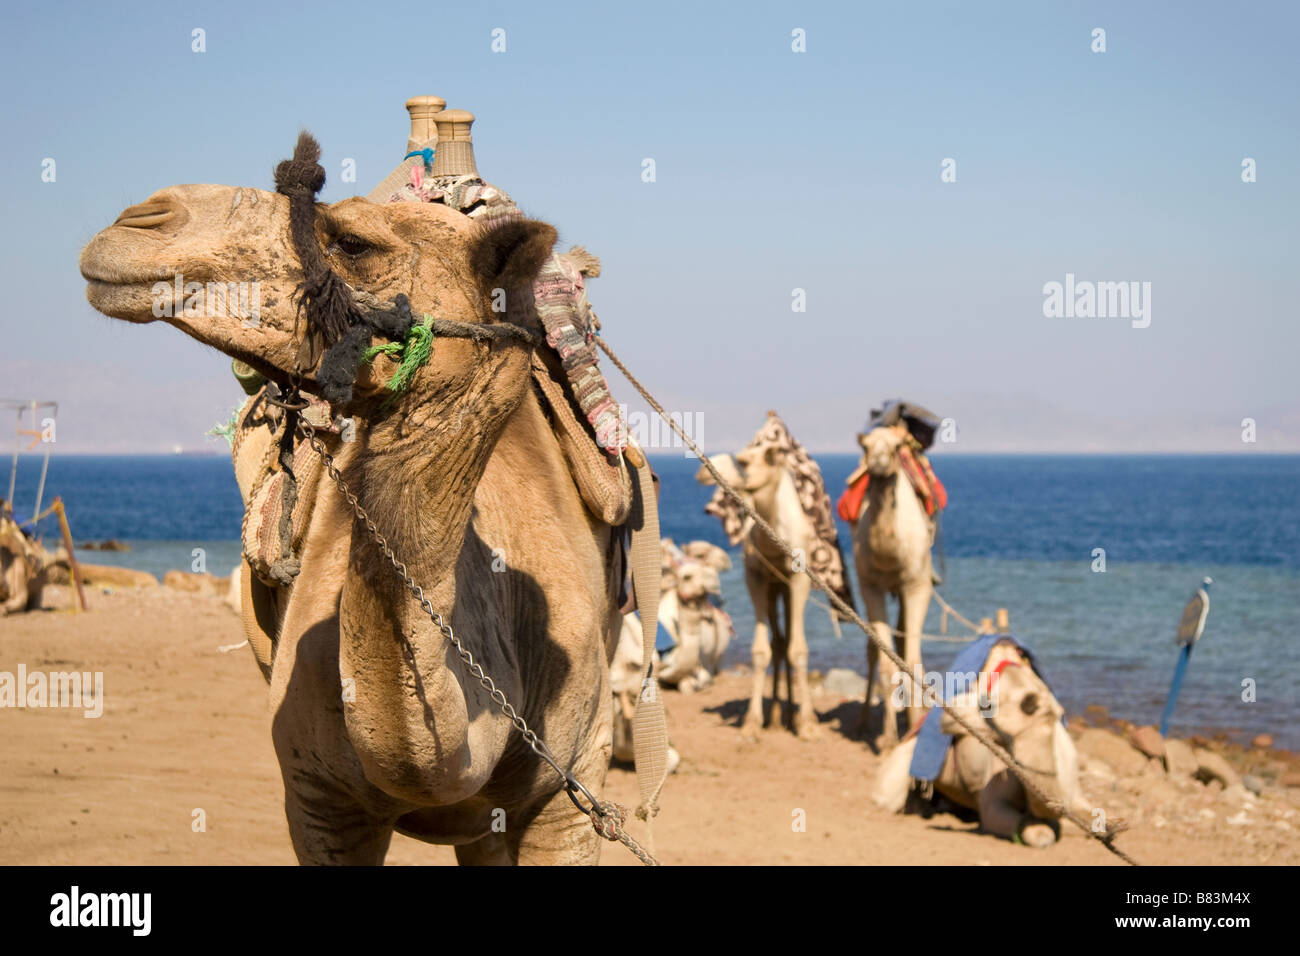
(185, 735)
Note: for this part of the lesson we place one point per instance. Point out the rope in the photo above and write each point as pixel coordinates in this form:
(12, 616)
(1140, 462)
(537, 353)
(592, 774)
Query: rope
(834, 621)
(948, 610)
(1019, 770)
(415, 351)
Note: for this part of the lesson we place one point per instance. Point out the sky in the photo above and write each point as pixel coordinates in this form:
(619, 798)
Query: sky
(776, 170)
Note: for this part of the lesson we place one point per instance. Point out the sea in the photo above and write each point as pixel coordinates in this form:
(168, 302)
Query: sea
(1021, 532)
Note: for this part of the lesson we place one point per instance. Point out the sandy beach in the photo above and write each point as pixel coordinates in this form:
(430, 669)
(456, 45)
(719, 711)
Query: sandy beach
(185, 728)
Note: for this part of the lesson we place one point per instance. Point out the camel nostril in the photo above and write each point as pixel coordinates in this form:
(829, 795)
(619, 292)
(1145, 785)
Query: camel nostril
(153, 214)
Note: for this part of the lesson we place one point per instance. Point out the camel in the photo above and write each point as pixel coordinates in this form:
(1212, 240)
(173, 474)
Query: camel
(22, 577)
(700, 629)
(1021, 712)
(765, 481)
(891, 550)
(376, 726)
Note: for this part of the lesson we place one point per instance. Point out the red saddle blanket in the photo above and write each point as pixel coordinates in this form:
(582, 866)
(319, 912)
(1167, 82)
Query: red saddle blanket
(917, 468)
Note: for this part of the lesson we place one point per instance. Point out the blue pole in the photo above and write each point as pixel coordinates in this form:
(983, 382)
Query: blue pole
(1177, 685)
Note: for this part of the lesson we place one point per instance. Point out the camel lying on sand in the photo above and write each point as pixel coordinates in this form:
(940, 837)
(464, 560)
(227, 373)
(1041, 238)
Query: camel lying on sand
(22, 575)
(376, 725)
(701, 631)
(1024, 717)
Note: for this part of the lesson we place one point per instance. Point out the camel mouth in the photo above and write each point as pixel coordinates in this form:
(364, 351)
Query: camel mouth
(128, 301)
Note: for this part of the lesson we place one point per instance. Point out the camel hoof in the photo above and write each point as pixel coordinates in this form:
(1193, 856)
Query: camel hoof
(1038, 835)
(809, 732)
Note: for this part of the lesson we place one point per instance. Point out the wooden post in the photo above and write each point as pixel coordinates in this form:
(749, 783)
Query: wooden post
(986, 625)
(1004, 621)
(57, 505)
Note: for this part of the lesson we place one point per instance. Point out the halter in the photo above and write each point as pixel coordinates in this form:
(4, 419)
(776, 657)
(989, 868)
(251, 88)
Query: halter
(342, 320)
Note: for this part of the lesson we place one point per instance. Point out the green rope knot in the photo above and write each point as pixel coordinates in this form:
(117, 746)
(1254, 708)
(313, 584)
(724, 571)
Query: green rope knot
(412, 353)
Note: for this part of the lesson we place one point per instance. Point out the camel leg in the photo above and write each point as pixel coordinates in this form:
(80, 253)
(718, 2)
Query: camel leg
(1002, 809)
(761, 653)
(780, 654)
(491, 850)
(805, 718)
(329, 829)
(877, 665)
(556, 834)
(913, 603)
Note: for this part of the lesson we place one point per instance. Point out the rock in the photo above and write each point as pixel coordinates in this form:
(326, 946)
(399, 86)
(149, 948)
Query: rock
(1155, 768)
(1111, 750)
(1252, 783)
(1240, 820)
(1075, 725)
(1180, 760)
(112, 544)
(1236, 793)
(1210, 766)
(1159, 793)
(844, 683)
(102, 575)
(1291, 779)
(1147, 740)
(1096, 712)
(1263, 741)
(195, 583)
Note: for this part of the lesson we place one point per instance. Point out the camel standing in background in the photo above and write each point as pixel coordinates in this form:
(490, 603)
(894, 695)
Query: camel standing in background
(891, 550)
(761, 473)
(376, 726)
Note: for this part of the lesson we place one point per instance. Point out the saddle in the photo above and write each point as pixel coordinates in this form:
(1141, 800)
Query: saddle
(915, 465)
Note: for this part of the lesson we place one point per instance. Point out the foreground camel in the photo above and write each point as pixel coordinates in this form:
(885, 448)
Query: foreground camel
(1026, 719)
(891, 549)
(761, 474)
(376, 726)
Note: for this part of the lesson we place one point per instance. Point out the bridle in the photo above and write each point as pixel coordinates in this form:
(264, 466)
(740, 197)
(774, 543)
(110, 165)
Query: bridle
(340, 320)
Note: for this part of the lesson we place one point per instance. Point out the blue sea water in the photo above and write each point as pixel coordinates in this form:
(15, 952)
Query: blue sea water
(1019, 533)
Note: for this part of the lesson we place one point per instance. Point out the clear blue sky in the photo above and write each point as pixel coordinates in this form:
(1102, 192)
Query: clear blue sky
(775, 170)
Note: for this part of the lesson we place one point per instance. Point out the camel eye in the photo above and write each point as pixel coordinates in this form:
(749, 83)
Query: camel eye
(353, 245)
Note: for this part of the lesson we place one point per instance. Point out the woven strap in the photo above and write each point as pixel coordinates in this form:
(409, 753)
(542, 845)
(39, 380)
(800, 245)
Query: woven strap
(649, 725)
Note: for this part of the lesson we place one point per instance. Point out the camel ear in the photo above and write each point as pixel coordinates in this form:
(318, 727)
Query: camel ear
(510, 252)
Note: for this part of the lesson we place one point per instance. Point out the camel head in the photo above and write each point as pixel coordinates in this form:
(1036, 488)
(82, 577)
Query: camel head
(880, 449)
(275, 279)
(708, 554)
(762, 465)
(696, 581)
(1025, 717)
(692, 571)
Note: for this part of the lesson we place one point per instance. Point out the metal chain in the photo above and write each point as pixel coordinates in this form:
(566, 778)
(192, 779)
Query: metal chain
(606, 818)
(1020, 771)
